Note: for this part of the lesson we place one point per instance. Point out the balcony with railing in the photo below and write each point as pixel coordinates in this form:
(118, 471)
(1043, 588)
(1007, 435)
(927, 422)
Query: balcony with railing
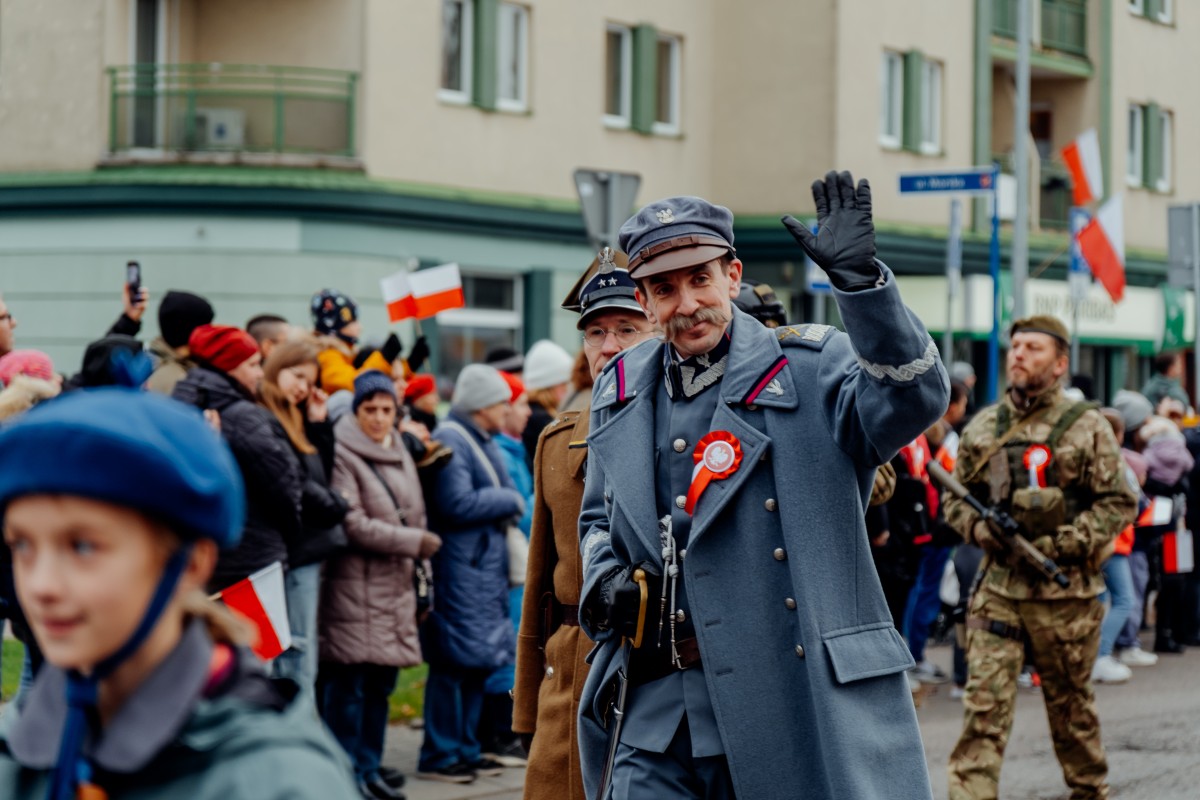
(1051, 203)
(1063, 24)
(211, 109)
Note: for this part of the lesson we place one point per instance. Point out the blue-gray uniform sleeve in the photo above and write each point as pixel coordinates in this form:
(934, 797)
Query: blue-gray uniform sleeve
(884, 384)
(595, 545)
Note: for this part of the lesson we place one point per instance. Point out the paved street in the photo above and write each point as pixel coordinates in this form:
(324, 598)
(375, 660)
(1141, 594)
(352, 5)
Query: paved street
(1151, 730)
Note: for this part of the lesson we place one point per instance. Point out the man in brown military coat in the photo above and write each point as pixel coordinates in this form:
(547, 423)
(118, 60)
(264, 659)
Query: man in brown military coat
(1055, 466)
(550, 646)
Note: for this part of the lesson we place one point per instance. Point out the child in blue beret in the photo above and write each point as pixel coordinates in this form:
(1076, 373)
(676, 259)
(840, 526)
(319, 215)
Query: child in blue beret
(115, 504)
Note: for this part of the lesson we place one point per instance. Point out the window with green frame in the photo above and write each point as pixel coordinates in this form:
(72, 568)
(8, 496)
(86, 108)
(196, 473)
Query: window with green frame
(910, 108)
(1155, 10)
(485, 54)
(643, 79)
(1149, 153)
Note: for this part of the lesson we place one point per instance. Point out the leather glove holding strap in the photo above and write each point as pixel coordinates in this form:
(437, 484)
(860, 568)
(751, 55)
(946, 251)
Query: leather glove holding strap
(1045, 545)
(418, 354)
(988, 539)
(391, 348)
(618, 599)
(844, 244)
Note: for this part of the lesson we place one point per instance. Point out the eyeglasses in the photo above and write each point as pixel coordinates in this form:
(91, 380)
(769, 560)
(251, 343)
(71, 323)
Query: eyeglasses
(625, 335)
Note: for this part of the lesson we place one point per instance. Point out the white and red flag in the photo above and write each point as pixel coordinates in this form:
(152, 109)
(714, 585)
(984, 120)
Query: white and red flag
(423, 293)
(260, 600)
(1102, 243)
(1082, 157)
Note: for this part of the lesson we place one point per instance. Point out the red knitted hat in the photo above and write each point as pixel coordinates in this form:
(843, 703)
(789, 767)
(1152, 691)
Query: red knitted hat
(419, 386)
(33, 363)
(514, 383)
(222, 346)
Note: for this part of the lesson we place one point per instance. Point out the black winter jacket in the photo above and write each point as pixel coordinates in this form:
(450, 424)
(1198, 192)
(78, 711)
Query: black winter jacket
(269, 467)
(321, 509)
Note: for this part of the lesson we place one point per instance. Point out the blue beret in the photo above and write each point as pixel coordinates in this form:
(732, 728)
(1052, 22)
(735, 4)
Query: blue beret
(129, 448)
(675, 233)
(369, 383)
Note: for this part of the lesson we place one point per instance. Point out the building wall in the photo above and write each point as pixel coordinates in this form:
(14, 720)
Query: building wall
(774, 90)
(409, 134)
(52, 84)
(1156, 63)
(291, 33)
(942, 32)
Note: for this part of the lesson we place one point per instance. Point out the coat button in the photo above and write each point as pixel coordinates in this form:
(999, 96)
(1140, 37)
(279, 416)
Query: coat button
(780, 554)
(680, 617)
(680, 445)
(800, 651)
(682, 555)
(549, 672)
(770, 505)
(790, 603)
(751, 407)
(681, 501)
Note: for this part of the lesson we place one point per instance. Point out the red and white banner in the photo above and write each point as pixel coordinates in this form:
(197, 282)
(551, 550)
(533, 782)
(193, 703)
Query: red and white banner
(1082, 157)
(1102, 242)
(423, 293)
(1177, 552)
(260, 600)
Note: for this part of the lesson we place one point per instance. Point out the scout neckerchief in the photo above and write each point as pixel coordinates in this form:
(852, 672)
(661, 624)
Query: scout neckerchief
(689, 377)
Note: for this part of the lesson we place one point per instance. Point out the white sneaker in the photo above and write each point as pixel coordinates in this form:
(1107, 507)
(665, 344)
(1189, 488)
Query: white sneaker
(1109, 670)
(1137, 657)
(957, 692)
(931, 674)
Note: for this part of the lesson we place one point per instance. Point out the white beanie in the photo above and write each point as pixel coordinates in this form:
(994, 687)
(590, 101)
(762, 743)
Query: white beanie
(546, 365)
(479, 386)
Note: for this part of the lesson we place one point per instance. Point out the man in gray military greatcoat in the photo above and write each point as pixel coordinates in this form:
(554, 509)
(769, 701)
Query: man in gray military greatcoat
(732, 463)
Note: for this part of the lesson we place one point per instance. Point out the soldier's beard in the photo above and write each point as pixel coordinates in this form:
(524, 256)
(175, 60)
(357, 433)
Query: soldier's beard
(1029, 387)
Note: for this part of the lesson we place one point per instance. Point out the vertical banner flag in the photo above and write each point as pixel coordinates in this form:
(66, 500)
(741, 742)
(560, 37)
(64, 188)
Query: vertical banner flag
(422, 294)
(260, 600)
(1102, 242)
(1082, 157)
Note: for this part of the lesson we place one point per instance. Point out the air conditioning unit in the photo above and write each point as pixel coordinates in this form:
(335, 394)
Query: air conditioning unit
(220, 128)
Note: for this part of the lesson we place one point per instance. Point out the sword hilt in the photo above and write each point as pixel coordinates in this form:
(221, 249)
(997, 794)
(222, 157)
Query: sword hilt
(639, 577)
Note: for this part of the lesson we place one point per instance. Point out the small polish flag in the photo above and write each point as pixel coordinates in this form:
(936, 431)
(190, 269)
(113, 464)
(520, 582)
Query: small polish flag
(1083, 160)
(260, 600)
(423, 293)
(1102, 242)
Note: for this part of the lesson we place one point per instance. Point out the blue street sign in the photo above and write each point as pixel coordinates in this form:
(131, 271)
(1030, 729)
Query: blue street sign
(1079, 218)
(975, 180)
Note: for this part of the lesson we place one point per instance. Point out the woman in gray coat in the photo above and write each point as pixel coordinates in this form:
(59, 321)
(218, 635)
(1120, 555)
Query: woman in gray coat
(368, 626)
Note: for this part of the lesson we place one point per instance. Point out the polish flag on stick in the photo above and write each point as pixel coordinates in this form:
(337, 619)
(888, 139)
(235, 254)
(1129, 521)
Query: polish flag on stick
(1082, 157)
(1102, 242)
(259, 599)
(423, 293)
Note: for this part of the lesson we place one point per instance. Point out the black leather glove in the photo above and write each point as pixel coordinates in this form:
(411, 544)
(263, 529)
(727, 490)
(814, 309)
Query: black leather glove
(420, 352)
(391, 348)
(619, 600)
(844, 244)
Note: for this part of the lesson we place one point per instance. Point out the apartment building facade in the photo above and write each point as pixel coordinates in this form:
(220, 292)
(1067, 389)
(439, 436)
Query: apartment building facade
(258, 150)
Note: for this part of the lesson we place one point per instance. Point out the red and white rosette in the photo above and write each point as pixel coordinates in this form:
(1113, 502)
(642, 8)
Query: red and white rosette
(1036, 460)
(717, 455)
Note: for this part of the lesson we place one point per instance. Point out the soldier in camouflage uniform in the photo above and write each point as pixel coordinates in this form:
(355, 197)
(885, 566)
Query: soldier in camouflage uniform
(1056, 467)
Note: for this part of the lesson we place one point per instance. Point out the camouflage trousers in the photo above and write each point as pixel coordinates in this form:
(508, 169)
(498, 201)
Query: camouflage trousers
(1065, 636)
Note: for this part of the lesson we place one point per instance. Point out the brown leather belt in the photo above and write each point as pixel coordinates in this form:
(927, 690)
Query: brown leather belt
(649, 663)
(1001, 629)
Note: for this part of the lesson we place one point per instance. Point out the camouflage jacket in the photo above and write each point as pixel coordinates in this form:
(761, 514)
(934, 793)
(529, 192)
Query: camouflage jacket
(1087, 462)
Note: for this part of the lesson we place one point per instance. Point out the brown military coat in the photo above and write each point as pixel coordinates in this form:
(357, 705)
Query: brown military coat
(550, 679)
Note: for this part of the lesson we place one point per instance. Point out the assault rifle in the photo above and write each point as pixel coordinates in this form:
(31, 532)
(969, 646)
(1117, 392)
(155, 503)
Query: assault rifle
(1009, 528)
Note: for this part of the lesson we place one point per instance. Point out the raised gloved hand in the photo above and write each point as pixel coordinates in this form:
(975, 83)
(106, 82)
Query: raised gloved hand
(391, 348)
(844, 244)
(418, 354)
(619, 601)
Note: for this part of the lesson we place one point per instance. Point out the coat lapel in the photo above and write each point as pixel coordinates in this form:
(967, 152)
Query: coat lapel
(624, 445)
